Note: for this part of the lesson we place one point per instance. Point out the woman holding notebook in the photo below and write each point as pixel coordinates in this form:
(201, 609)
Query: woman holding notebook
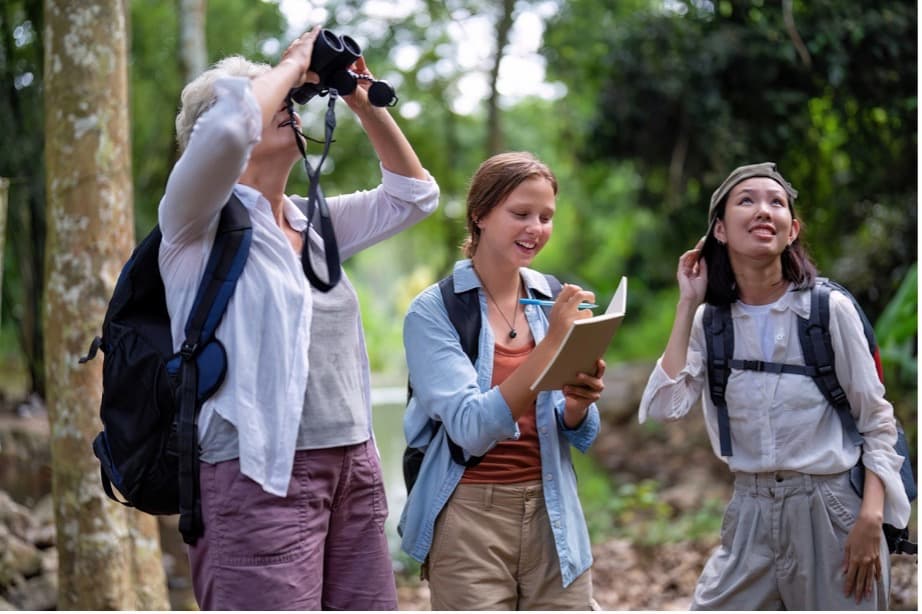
(509, 524)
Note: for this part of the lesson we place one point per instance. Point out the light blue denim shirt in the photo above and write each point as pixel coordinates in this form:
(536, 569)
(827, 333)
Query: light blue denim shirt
(448, 388)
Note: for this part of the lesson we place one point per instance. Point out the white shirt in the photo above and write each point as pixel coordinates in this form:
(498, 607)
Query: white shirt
(266, 329)
(783, 421)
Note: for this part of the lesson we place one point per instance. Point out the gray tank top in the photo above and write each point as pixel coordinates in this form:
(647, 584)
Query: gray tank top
(334, 412)
(334, 408)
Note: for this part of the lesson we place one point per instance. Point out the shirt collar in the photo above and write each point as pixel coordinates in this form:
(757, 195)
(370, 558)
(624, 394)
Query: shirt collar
(253, 198)
(796, 300)
(295, 215)
(465, 278)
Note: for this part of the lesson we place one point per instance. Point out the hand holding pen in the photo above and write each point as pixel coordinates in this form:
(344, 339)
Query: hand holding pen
(567, 308)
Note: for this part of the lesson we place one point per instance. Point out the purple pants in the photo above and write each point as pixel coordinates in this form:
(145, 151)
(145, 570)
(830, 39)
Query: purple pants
(321, 547)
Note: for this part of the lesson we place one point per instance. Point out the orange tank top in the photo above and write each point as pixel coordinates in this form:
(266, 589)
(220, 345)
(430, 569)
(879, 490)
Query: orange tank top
(513, 460)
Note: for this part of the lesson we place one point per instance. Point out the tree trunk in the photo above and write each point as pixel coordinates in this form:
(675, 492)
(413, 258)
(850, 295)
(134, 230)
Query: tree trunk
(495, 138)
(108, 556)
(192, 50)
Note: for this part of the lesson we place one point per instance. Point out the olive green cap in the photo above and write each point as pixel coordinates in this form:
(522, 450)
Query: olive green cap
(763, 169)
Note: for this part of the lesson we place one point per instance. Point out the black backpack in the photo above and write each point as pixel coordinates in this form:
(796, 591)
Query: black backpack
(819, 365)
(151, 395)
(464, 312)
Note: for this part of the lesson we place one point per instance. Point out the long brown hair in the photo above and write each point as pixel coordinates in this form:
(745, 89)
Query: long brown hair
(496, 177)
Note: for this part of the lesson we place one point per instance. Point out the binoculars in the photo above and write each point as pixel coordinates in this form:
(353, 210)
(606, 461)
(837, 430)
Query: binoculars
(331, 58)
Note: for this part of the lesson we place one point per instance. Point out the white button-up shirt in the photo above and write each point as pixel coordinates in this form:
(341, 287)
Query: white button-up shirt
(266, 329)
(783, 421)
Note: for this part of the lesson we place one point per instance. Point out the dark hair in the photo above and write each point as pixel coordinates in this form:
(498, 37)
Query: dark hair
(494, 180)
(796, 266)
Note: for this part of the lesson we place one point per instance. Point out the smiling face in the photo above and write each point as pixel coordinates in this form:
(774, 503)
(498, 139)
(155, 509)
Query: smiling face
(757, 221)
(514, 231)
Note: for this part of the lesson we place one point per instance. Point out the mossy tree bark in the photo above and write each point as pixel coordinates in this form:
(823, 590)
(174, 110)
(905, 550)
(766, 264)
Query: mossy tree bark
(109, 555)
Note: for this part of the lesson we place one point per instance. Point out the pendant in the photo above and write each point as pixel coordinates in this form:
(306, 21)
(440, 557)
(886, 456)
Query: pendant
(512, 334)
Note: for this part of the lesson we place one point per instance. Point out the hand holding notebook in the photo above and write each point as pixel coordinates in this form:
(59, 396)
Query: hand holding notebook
(584, 344)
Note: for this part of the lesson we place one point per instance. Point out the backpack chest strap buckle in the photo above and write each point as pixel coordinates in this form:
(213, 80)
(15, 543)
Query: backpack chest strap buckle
(188, 349)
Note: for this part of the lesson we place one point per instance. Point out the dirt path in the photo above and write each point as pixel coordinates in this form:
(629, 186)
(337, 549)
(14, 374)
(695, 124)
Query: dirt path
(630, 578)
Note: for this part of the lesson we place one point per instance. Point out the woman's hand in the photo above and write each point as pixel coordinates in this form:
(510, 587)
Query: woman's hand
(358, 99)
(299, 53)
(587, 389)
(566, 310)
(692, 275)
(861, 564)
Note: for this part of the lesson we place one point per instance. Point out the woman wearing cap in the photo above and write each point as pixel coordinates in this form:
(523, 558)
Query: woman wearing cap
(795, 535)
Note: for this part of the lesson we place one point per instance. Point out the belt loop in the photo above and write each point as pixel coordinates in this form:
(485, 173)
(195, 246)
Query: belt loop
(808, 481)
(487, 496)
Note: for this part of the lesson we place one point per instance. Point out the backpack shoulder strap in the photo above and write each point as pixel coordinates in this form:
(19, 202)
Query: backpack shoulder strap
(866, 326)
(816, 344)
(225, 264)
(718, 333)
(464, 312)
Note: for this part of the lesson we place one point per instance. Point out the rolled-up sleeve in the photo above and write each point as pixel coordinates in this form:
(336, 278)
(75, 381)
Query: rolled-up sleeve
(857, 374)
(666, 398)
(366, 217)
(585, 433)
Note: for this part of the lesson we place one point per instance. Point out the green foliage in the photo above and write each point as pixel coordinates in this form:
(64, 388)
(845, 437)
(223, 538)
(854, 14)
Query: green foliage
(684, 94)
(21, 160)
(897, 332)
(637, 511)
(231, 27)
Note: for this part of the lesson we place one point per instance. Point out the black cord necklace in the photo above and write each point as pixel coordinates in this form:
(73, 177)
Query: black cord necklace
(515, 314)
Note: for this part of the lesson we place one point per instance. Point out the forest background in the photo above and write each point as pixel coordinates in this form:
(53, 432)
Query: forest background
(641, 107)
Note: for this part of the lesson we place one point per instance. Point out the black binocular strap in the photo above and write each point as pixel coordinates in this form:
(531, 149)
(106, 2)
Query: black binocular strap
(316, 199)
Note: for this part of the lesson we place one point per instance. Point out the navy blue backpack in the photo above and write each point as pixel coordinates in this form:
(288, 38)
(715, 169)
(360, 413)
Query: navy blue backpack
(148, 449)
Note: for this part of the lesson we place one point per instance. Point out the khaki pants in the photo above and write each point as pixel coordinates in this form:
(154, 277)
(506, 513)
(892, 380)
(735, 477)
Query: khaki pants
(783, 544)
(493, 550)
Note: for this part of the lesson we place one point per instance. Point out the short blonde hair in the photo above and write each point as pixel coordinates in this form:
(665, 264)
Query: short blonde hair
(198, 96)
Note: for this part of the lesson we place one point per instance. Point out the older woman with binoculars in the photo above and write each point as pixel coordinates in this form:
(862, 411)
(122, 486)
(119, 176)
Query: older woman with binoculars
(292, 499)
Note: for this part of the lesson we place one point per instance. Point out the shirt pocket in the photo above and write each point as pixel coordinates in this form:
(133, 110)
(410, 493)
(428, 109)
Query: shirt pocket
(797, 393)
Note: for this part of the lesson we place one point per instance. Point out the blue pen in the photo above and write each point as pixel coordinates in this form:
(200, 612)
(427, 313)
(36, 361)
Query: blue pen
(540, 303)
